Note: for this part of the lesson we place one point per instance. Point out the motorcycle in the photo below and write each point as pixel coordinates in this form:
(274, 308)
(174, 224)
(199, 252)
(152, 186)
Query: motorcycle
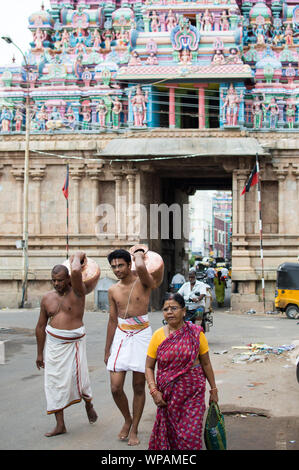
(194, 313)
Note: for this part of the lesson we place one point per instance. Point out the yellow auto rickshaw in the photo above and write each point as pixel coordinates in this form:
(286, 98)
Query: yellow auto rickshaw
(287, 289)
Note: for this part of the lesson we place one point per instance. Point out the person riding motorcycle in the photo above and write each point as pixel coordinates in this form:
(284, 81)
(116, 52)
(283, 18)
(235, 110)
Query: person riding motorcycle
(190, 291)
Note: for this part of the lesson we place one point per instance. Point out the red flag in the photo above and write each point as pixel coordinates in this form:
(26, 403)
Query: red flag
(252, 180)
(65, 188)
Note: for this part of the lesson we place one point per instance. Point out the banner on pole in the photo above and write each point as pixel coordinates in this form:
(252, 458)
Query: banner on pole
(65, 188)
(252, 180)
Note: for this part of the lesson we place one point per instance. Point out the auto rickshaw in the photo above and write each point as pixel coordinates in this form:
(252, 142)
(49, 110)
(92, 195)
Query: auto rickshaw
(287, 289)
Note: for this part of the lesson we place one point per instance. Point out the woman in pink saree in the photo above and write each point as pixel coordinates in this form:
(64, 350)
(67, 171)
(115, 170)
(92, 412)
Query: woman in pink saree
(180, 350)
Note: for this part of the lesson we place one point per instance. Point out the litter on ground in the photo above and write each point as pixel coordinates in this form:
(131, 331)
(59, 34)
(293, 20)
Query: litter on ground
(258, 352)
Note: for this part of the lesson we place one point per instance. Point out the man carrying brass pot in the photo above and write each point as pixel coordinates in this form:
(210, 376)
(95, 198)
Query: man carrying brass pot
(128, 335)
(61, 346)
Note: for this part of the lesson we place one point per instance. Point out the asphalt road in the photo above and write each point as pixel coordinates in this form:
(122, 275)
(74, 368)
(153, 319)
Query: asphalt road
(260, 400)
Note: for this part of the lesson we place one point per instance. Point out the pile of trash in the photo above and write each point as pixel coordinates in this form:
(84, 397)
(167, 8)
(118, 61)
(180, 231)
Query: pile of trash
(259, 352)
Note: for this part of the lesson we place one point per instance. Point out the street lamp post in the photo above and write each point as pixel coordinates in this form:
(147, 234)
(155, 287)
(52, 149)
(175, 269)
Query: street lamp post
(26, 181)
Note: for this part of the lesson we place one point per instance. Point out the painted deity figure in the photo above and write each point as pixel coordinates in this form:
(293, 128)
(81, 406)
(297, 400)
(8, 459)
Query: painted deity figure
(54, 120)
(96, 39)
(70, 118)
(65, 40)
(207, 21)
(290, 73)
(116, 110)
(224, 21)
(288, 35)
(6, 118)
(171, 21)
(102, 110)
(155, 22)
(18, 119)
(274, 112)
(257, 113)
(86, 76)
(218, 58)
(277, 35)
(86, 117)
(290, 114)
(231, 106)
(139, 106)
(260, 35)
(42, 117)
(39, 37)
(135, 59)
(123, 37)
(152, 59)
(107, 37)
(234, 56)
(185, 57)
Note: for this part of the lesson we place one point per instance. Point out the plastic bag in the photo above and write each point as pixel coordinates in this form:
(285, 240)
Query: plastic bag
(214, 431)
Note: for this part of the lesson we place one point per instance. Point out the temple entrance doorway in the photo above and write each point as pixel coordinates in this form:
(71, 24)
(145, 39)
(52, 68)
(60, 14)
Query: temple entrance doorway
(203, 208)
(210, 237)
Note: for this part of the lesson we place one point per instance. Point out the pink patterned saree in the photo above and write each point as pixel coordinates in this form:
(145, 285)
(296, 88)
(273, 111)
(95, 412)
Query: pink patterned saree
(179, 425)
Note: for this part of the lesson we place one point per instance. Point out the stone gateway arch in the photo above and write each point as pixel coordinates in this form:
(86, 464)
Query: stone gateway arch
(112, 192)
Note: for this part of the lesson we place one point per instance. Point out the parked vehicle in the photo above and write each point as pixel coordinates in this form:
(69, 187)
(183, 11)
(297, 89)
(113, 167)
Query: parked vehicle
(287, 289)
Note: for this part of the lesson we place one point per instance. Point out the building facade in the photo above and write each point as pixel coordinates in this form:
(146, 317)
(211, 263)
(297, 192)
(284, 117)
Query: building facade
(149, 101)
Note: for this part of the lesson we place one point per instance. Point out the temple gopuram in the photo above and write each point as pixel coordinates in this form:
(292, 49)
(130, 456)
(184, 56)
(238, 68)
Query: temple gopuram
(86, 58)
(148, 101)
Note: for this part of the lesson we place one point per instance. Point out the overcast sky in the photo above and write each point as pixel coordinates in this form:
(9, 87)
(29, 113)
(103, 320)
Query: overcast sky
(14, 23)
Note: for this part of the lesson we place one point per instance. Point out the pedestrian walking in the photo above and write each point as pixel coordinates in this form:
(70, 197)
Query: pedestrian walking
(128, 336)
(210, 273)
(61, 343)
(219, 285)
(180, 351)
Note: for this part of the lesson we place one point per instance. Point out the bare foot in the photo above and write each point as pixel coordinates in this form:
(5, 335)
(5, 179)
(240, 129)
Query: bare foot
(56, 431)
(133, 439)
(123, 435)
(92, 416)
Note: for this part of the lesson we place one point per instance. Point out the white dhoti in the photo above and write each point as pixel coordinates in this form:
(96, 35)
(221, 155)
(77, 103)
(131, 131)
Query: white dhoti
(130, 343)
(66, 370)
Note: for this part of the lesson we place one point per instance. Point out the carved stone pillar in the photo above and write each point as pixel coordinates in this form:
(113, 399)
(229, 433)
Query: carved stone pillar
(201, 105)
(241, 179)
(18, 173)
(281, 173)
(94, 173)
(235, 203)
(296, 173)
(37, 174)
(76, 173)
(131, 201)
(118, 176)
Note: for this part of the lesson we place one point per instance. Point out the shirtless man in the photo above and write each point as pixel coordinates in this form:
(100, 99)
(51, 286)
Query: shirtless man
(60, 332)
(128, 336)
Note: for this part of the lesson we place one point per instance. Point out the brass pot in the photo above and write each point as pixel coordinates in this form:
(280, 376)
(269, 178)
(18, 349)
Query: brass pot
(90, 273)
(153, 262)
